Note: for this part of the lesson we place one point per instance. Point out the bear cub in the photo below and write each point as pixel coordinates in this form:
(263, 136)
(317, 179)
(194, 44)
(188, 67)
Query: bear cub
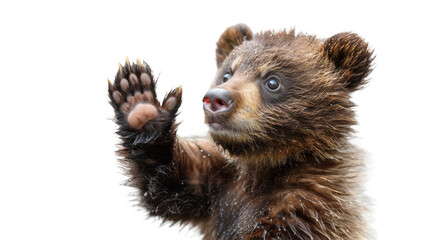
(277, 163)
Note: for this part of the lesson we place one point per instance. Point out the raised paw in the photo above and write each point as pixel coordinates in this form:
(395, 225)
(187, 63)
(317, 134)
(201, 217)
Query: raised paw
(133, 96)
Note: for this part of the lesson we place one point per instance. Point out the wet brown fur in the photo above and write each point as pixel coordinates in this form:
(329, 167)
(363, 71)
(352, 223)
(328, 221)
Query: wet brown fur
(282, 167)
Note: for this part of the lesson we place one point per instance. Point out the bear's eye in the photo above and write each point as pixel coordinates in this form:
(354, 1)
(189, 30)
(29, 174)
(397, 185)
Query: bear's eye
(226, 77)
(272, 84)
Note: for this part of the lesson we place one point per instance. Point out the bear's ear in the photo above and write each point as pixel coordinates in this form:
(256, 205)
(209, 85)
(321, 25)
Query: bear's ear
(231, 38)
(351, 56)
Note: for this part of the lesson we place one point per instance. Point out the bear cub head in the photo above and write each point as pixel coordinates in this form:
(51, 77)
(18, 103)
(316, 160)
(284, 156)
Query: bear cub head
(281, 97)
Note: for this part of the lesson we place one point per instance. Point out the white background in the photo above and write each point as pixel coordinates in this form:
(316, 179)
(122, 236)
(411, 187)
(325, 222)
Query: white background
(59, 178)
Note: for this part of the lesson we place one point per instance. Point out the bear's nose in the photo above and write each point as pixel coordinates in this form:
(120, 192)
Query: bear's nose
(217, 100)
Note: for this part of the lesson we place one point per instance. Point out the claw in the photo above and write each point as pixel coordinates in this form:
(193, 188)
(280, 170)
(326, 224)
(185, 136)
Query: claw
(179, 91)
(139, 63)
(121, 70)
(127, 63)
(110, 85)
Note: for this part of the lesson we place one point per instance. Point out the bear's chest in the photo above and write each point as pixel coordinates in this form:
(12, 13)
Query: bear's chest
(237, 211)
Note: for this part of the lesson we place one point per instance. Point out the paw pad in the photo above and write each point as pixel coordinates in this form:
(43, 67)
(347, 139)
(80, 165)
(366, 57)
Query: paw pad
(141, 114)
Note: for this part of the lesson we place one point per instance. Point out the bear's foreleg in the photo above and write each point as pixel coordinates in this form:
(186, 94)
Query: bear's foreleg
(175, 178)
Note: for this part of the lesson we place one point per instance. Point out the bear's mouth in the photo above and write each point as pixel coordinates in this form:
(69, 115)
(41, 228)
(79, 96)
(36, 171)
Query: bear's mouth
(225, 127)
(228, 124)
(217, 123)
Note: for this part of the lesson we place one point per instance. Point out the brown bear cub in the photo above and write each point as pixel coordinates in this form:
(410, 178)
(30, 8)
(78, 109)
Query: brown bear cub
(278, 163)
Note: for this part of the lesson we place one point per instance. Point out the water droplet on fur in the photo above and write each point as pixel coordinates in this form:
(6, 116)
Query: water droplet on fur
(201, 150)
(208, 154)
(204, 156)
(265, 234)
